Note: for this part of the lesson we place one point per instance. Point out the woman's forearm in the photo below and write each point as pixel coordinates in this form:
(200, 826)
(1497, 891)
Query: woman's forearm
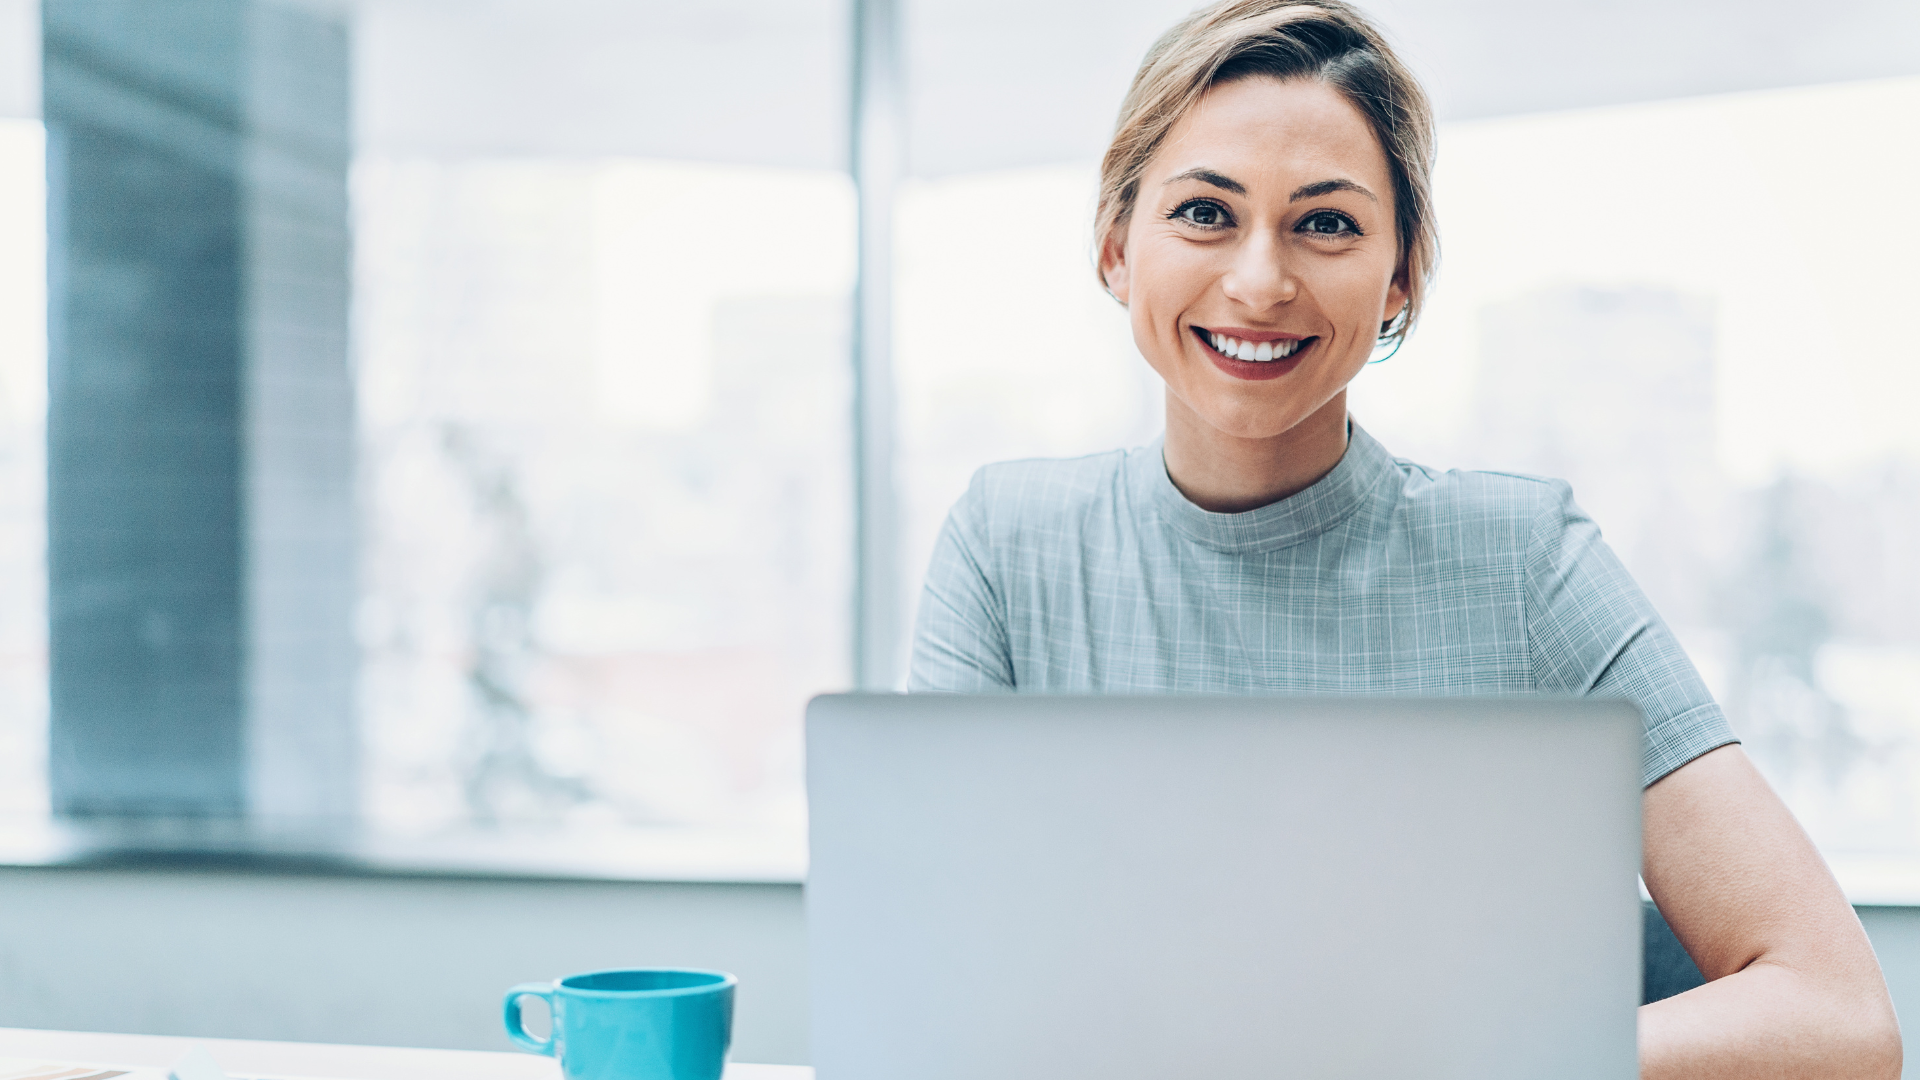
(1795, 989)
(1767, 1021)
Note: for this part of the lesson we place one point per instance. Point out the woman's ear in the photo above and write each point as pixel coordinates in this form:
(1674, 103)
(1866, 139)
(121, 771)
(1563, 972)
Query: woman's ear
(1113, 269)
(1396, 299)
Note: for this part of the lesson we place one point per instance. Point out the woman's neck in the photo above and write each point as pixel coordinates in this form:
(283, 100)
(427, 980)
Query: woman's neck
(1228, 474)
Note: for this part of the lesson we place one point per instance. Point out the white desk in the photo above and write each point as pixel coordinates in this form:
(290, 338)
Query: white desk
(245, 1057)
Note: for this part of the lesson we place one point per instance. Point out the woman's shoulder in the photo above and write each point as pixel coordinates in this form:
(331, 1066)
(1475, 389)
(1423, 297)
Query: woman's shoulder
(1039, 493)
(1484, 498)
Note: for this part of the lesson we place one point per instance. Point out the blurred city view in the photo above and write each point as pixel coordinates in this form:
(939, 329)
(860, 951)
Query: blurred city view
(605, 455)
(604, 416)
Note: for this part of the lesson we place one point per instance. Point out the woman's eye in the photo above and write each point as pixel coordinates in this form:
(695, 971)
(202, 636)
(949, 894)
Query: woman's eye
(1329, 223)
(1207, 215)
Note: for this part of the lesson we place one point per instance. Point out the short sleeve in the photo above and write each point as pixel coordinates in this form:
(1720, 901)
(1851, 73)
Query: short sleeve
(960, 636)
(1591, 631)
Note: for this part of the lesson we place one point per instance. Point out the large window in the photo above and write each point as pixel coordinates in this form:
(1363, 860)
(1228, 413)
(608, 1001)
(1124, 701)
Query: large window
(604, 415)
(601, 331)
(603, 400)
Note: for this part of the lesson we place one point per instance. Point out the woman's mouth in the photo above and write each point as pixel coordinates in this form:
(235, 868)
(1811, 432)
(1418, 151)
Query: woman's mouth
(1244, 358)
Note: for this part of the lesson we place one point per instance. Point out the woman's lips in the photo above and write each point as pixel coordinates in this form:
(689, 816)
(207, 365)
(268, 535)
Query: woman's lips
(1255, 370)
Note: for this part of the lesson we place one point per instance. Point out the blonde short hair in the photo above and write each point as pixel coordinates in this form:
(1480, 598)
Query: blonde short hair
(1326, 40)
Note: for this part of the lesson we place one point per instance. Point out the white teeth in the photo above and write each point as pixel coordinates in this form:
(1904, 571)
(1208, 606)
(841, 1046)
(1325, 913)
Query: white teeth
(1247, 350)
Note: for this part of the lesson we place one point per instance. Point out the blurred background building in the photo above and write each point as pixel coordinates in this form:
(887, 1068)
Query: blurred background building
(449, 425)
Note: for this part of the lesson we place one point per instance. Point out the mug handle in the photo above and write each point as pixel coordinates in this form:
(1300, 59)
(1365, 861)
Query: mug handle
(516, 1030)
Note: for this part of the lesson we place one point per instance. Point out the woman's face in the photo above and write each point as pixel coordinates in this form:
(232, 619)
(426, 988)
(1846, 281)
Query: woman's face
(1261, 256)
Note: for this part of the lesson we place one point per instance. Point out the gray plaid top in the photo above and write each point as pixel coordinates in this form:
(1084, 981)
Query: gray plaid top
(1095, 575)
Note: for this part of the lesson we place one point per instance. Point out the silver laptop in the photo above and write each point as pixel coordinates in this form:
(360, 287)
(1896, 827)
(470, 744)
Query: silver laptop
(1147, 888)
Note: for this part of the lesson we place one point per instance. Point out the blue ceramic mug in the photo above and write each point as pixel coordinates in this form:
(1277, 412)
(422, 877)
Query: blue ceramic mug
(643, 1024)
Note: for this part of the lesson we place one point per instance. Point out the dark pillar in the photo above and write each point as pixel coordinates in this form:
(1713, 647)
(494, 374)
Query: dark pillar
(200, 418)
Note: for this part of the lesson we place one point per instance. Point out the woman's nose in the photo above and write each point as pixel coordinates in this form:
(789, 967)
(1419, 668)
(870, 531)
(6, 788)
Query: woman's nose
(1259, 277)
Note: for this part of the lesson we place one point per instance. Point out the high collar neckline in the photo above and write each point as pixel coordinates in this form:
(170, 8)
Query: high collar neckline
(1297, 518)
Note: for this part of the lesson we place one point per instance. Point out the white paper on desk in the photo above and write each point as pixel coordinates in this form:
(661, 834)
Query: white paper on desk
(37, 1069)
(34, 1069)
(29, 1069)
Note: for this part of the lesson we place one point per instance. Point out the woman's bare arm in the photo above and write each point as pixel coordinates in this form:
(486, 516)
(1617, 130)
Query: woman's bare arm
(1794, 989)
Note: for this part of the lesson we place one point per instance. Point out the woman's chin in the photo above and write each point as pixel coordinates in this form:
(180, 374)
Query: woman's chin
(1246, 423)
(1244, 410)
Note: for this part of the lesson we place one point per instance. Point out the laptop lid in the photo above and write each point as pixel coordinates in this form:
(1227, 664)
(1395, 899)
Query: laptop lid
(1040, 887)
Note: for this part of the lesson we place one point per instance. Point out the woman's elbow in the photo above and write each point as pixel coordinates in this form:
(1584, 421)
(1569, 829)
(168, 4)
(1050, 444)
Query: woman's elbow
(1878, 1047)
(1866, 1038)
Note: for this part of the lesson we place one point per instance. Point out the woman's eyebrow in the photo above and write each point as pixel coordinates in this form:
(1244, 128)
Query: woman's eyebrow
(1208, 176)
(1327, 187)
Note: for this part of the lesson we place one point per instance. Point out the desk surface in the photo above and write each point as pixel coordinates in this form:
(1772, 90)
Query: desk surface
(245, 1057)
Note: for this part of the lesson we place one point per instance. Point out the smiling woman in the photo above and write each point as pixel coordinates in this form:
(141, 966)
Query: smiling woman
(1265, 219)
